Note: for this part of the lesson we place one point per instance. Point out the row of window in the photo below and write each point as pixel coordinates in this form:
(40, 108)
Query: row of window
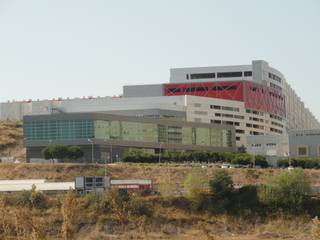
(275, 95)
(254, 126)
(219, 75)
(274, 77)
(276, 124)
(217, 107)
(256, 119)
(228, 115)
(275, 130)
(275, 117)
(203, 89)
(254, 112)
(225, 122)
(275, 86)
(260, 145)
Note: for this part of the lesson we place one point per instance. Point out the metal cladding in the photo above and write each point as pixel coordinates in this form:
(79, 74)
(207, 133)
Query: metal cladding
(256, 96)
(223, 90)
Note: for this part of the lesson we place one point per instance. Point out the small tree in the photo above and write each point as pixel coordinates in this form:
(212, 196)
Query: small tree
(74, 153)
(220, 183)
(47, 153)
(221, 188)
(261, 161)
(55, 152)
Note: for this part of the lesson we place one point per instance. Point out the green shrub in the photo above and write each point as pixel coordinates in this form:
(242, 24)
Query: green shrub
(261, 161)
(195, 182)
(283, 163)
(241, 159)
(287, 191)
(220, 183)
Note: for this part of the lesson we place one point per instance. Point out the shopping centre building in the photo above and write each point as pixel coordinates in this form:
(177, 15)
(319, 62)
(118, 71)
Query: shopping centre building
(104, 137)
(255, 99)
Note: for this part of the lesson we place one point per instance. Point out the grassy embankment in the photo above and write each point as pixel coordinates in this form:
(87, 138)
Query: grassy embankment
(165, 217)
(11, 140)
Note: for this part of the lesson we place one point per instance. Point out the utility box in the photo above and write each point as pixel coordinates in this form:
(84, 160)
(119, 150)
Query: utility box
(88, 184)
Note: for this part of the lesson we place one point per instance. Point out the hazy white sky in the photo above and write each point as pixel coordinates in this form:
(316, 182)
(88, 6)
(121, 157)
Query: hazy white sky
(73, 48)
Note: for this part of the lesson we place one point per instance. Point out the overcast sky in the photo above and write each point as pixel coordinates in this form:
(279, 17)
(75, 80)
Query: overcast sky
(74, 48)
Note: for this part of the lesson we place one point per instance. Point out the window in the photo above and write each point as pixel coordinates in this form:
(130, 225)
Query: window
(215, 107)
(237, 138)
(229, 74)
(230, 109)
(187, 76)
(202, 75)
(271, 144)
(217, 114)
(227, 115)
(302, 151)
(240, 131)
(248, 73)
(216, 121)
(256, 145)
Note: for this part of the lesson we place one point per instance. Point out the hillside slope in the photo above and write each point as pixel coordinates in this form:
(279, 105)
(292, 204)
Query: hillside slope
(11, 140)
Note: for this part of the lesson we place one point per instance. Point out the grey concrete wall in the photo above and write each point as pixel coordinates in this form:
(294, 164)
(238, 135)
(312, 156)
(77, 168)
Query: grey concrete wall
(309, 138)
(143, 90)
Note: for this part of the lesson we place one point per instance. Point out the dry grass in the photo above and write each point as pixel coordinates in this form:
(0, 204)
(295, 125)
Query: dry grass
(170, 220)
(165, 173)
(11, 140)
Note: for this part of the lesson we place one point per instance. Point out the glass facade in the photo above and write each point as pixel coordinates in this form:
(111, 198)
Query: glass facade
(58, 129)
(127, 131)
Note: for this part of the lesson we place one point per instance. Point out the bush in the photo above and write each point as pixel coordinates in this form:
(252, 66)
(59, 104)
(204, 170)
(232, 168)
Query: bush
(283, 163)
(300, 162)
(245, 198)
(261, 161)
(140, 207)
(195, 182)
(221, 188)
(241, 159)
(32, 199)
(220, 183)
(288, 191)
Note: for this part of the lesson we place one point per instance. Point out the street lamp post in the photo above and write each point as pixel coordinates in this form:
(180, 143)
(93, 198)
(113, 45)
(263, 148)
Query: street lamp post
(111, 157)
(92, 150)
(160, 153)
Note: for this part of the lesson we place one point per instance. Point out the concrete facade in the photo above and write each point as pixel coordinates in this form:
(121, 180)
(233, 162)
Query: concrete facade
(273, 147)
(305, 143)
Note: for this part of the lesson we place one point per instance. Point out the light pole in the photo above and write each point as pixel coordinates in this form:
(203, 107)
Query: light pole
(92, 150)
(111, 157)
(160, 153)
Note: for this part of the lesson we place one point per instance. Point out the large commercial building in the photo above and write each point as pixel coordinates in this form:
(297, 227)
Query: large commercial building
(103, 136)
(256, 99)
